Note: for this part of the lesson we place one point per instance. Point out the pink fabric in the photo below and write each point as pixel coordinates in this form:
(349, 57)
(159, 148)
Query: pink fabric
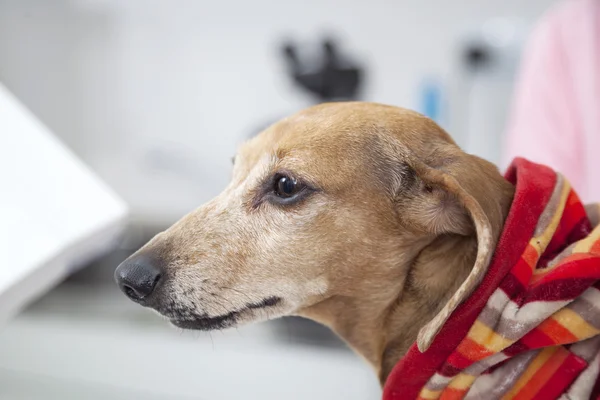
(556, 110)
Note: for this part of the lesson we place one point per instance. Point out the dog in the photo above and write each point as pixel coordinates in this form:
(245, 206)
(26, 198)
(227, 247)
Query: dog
(364, 217)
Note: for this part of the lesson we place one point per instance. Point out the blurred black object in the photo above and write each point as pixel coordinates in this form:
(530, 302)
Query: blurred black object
(477, 56)
(332, 77)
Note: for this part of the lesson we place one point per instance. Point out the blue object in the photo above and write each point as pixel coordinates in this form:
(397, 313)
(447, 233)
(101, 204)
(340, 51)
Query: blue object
(431, 100)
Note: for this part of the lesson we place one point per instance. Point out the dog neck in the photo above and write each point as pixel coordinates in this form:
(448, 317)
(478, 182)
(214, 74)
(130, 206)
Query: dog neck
(435, 275)
(380, 321)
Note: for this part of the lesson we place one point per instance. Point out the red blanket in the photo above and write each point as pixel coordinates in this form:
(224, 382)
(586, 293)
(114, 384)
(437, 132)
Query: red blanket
(531, 329)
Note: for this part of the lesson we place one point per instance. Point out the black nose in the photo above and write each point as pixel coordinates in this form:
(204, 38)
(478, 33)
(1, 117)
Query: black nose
(138, 276)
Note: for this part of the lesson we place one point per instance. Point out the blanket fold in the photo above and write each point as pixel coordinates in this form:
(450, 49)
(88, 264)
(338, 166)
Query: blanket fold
(531, 329)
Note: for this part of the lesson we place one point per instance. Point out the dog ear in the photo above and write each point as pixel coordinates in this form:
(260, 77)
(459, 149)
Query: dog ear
(457, 193)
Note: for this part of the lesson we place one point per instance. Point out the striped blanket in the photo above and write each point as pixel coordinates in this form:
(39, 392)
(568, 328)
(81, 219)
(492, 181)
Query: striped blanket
(531, 330)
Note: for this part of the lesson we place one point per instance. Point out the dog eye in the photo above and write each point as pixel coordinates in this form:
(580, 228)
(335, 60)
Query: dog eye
(286, 186)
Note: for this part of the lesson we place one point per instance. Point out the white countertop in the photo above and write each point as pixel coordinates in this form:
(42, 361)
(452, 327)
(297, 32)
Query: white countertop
(81, 343)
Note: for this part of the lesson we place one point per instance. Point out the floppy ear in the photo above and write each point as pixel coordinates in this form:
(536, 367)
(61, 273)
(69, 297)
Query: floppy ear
(465, 195)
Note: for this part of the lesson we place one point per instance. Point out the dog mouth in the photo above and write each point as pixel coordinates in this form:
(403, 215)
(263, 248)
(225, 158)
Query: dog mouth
(208, 323)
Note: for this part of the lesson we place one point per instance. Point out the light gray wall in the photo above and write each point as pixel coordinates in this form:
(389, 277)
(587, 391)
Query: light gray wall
(156, 95)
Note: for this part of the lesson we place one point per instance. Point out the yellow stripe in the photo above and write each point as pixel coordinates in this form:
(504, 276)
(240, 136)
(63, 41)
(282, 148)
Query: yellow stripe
(485, 336)
(573, 322)
(462, 381)
(430, 394)
(535, 365)
(584, 245)
(541, 242)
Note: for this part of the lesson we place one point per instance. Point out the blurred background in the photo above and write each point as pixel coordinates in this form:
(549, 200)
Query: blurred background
(155, 96)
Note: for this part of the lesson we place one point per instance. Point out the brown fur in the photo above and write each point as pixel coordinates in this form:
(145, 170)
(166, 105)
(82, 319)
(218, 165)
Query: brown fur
(398, 231)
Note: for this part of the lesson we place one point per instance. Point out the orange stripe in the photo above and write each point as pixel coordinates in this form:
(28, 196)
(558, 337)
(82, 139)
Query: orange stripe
(533, 367)
(595, 249)
(472, 350)
(578, 326)
(531, 256)
(572, 199)
(453, 394)
(557, 332)
(543, 375)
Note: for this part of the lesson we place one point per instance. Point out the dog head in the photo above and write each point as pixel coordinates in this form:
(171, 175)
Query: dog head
(328, 207)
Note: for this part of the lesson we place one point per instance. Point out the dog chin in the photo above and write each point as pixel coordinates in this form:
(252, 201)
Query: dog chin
(224, 321)
(205, 324)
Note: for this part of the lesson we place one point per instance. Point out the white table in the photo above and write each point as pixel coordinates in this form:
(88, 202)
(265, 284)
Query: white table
(55, 214)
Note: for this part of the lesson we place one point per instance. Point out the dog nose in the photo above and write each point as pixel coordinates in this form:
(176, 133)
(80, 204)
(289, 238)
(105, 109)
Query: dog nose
(138, 276)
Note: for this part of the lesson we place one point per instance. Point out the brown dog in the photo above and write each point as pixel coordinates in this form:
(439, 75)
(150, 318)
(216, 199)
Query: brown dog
(364, 217)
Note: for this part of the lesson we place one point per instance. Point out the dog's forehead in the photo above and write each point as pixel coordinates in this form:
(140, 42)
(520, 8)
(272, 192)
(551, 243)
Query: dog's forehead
(339, 132)
(329, 124)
